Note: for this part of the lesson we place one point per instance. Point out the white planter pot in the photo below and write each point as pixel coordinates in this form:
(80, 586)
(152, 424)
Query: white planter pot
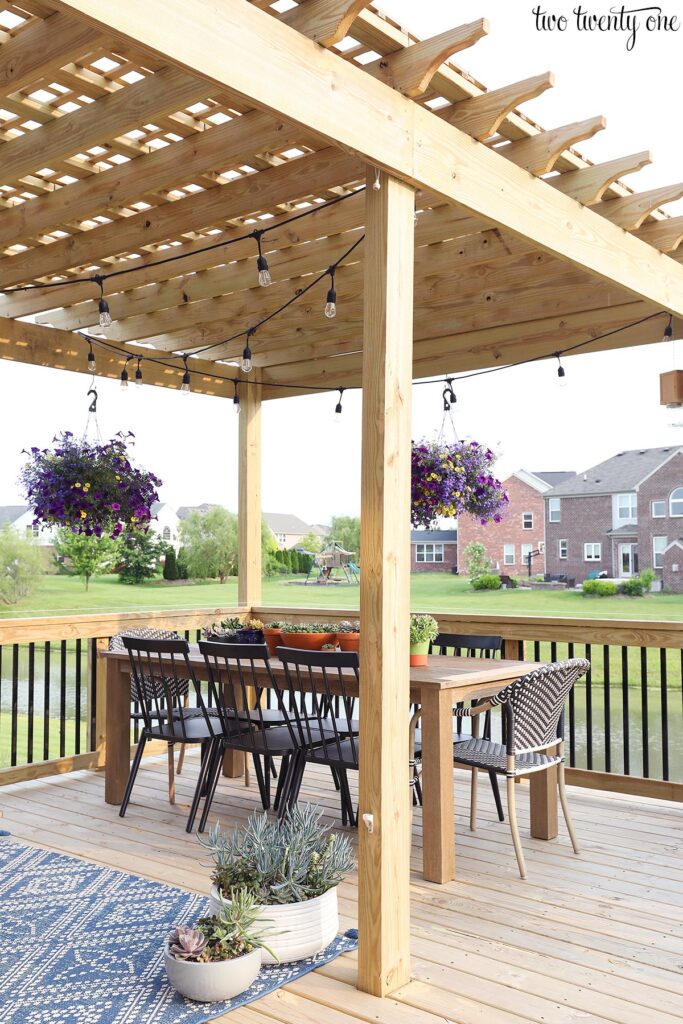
(294, 931)
(213, 982)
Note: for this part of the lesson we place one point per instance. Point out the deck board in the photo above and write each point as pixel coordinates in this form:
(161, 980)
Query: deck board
(593, 938)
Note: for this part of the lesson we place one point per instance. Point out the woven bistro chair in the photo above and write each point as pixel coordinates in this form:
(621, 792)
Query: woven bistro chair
(161, 673)
(533, 707)
(116, 644)
(467, 647)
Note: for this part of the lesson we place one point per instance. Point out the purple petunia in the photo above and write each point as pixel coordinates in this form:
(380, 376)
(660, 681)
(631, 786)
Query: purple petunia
(449, 480)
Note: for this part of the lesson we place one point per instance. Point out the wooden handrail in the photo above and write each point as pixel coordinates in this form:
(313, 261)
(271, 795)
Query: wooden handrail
(106, 624)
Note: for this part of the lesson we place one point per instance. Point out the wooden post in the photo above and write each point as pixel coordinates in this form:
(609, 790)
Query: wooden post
(100, 738)
(384, 848)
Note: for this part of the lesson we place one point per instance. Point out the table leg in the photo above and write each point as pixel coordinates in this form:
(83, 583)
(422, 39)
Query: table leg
(438, 811)
(543, 804)
(235, 761)
(117, 764)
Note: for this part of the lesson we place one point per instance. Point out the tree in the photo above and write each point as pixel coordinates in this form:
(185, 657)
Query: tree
(345, 530)
(477, 562)
(210, 543)
(270, 551)
(170, 565)
(20, 566)
(80, 555)
(139, 557)
(312, 542)
(181, 565)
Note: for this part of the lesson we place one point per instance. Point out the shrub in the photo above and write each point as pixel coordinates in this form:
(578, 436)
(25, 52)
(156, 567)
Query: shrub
(170, 565)
(294, 560)
(488, 581)
(477, 562)
(648, 576)
(181, 565)
(139, 557)
(599, 588)
(633, 587)
(20, 566)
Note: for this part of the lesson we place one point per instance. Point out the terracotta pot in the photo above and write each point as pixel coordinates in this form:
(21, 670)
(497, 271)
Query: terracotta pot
(348, 641)
(307, 641)
(273, 638)
(418, 654)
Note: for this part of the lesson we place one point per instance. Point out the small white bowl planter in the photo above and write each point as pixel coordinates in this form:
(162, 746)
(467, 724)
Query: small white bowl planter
(213, 982)
(294, 931)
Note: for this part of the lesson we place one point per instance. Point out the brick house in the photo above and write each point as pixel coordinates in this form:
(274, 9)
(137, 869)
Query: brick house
(433, 550)
(522, 530)
(621, 516)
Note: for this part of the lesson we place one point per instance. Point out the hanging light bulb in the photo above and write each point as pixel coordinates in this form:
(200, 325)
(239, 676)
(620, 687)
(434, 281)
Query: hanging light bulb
(138, 374)
(185, 385)
(247, 363)
(104, 314)
(331, 302)
(236, 399)
(264, 278)
(377, 184)
(669, 330)
(92, 364)
(560, 371)
(338, 407)
(124, 378)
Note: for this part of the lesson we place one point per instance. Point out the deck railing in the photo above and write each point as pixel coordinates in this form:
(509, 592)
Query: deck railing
(624, 719)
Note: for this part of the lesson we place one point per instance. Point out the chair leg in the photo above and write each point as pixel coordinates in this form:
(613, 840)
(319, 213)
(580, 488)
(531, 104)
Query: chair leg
(288, 778)
(181, 759)
(473, 800)
(349, 813)
(562, 789)
(201, 783)
(512, 815)
(213, 775)
(133, 772)
(284, 765)
(496, 795)
(297, 779)
(171, 774)
(258, 768)
(418, 789)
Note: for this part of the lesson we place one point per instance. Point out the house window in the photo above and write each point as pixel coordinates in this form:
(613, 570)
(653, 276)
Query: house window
(32, 531)
(562, 548)
(281, 537)
(658, 509)
(627, 508)
(527, 520)
(429, 552)
(676, 502)
(592, 552)
(658, 547)
(553, 510)
(525, 552)
(166, 533)
(509, 554)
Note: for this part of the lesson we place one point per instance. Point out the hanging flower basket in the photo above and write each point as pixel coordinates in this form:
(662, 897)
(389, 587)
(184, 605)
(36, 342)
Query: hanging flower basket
(450, 480)
(88, 487)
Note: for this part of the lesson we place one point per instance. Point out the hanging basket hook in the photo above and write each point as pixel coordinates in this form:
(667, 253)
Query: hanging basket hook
(93, 405)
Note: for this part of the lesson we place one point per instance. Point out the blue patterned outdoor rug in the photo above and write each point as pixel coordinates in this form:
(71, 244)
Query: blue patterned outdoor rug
(82, 944)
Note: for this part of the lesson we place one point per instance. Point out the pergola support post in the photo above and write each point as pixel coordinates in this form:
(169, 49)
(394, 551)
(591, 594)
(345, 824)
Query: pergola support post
(384, 807)
(249, 495)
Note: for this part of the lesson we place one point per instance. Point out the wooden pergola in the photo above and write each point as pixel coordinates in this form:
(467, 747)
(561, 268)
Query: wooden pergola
(134, 131)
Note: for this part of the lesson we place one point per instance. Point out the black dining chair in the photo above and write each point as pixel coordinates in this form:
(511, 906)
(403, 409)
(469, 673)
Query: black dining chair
(465, 646)
(239, 677)
(534, 716)
(161, 674)
(321, 688)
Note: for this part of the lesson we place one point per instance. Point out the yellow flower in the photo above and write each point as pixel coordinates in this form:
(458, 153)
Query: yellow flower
(132, 519)
(83, 513)
(118, 477)
(77, 484)
(86, 487)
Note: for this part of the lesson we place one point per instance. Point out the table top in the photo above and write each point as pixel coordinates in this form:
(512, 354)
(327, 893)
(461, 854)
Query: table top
(466, 676)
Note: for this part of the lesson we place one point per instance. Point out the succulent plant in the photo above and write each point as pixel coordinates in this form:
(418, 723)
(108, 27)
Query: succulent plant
(278, 624)
(252, 624)
(423, 629)
(186, 943)
(346, 626)
(309, 627)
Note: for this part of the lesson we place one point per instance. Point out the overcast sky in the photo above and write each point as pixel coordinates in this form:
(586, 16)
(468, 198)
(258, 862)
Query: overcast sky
(311, 464)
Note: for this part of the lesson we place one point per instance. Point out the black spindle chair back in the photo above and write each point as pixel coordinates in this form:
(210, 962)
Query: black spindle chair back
(160, 670)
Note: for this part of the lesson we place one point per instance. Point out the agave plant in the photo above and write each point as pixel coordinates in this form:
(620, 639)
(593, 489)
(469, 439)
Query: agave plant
(286, 861)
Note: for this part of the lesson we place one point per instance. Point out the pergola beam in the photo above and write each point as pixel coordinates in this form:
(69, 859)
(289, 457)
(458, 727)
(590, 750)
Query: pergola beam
(589, 184)
(239, 47)
(42, 48)
(411, 70)
(481, 116)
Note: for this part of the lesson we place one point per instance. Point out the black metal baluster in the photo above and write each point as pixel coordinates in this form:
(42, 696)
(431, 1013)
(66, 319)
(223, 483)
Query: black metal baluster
(92, 683)
(77, 682)
(665, 711)
(31, 695)
(572, 716)
(607, 709)
(62, 699)
(15, 704)
(46, 703)
(537, 650)
(589, 711)
(643, 699)
(626, 738)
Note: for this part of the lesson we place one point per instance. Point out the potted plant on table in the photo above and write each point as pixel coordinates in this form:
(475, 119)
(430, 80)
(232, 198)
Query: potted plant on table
(292, 869)
(348, 635)
(251, 632)
(224, 631)
(272, 634)
(220, 956)
(309, 636)
(423, 629)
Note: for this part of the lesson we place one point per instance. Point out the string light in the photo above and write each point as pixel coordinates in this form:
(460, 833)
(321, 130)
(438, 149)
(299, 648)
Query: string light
(246, 354)
(185, 386)
(331, 301)
(105, 315)
(560, 371)
(92, 362)
(377, 184)
(338, 407)
(264, 278)
(138, 374)
(669, 330)
(236, 398)
(124, 375)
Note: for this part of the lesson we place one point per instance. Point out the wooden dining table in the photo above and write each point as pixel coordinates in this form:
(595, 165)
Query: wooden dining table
(437, 688)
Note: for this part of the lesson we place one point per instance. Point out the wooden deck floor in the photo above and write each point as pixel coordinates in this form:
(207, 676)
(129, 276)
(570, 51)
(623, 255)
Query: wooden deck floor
(585, 939)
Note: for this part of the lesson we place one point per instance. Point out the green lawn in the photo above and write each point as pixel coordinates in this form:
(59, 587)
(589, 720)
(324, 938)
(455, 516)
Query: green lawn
(65, 595)
(22, 738)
